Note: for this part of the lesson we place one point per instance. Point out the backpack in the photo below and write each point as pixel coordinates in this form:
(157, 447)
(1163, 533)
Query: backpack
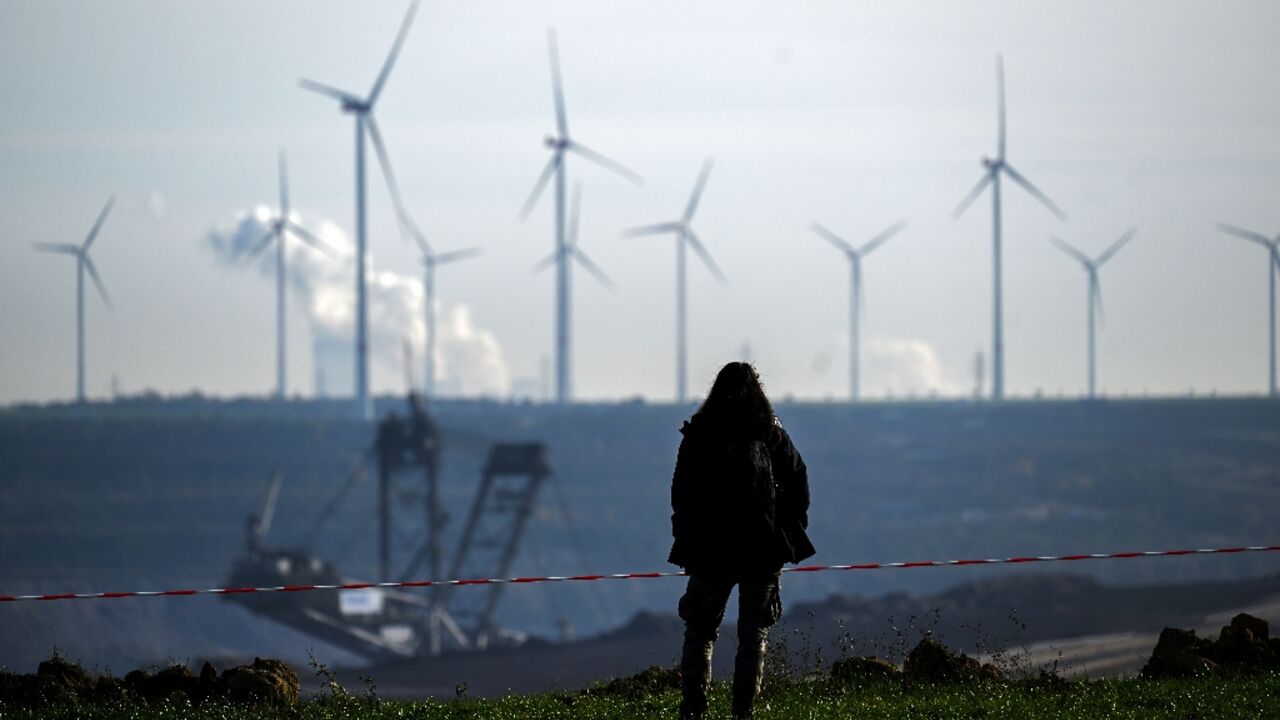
(748, 488)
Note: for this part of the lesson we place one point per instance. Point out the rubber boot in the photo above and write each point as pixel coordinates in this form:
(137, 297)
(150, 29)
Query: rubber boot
(748, 670)
(695, 673)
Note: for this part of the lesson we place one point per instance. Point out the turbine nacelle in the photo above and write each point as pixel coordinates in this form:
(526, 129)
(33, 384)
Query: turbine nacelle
(554, 143)
(992, 164)
(356, 107)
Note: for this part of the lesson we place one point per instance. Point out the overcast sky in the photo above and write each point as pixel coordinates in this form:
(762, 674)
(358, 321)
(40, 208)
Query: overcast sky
(1162, 115)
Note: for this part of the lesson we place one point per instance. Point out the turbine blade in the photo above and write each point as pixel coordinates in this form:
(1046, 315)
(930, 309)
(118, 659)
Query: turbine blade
(97, 281)
(545, 262)
(97, 225)
(410, 227)
(67, 248)
(284, 187)
(1115, 247)
(883, 237)
(1035, 191)
(592, 268)
(605, 162)
(973, 195)
(1069, 249)
(692, 207)
(833, 238)
(455, 256)
(557, 89)
(388, 174)
(1244, 234)
(575, 207)
(543, 179)
(1000, 139)
(656, 229)
(698, 248)
(395, 51)
(310, 238)
(261, 245)
(333, 92)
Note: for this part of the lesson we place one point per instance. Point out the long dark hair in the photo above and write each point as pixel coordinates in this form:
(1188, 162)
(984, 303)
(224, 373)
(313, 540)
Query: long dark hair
(737, 397)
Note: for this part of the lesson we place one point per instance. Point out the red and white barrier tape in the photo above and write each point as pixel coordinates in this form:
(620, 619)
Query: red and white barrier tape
(641, 576)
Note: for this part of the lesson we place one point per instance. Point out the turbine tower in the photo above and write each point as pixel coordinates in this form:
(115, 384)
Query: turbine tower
(280, 225)
(362, 109)
(431, 260)
(685, 237)
(1273, 268)
(559, 144)
(1094, 293)
(991, 176)
(562, 258)
(855, 256)
(84, 263)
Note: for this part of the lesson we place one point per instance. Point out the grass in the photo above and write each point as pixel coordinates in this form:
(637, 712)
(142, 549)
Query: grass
(1250, 697)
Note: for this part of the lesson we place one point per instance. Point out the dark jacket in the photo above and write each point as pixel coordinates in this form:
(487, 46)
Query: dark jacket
(698, 504)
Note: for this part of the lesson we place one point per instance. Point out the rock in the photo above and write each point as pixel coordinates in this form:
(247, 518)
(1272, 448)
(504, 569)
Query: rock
(1231, 636)
(1174, 642)
(63, 676)
(1243, 646)
(58, 680)
(1186, 665)
(1236, 646)
(860, 669)
(1256, 626)
(1178, 653)
(931, 661)
(175, 680)
(653, 681)
(265, 682)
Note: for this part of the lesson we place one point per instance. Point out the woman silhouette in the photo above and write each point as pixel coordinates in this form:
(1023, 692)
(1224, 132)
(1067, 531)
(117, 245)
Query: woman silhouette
(740, 502)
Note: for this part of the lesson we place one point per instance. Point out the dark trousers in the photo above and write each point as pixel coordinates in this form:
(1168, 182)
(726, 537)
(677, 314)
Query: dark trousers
(702, 609)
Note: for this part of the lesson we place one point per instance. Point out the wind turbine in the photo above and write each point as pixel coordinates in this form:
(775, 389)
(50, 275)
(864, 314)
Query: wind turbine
(855, 256)
(994, 167)
(563, 256)
(430, 260)
(560, 144)
(1095, 291)
(280, 225)
(362, 109)
(83, 263)
(685, 236)
(1273, 268)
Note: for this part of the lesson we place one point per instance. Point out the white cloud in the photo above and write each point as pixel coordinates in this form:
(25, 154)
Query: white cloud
(905, 366)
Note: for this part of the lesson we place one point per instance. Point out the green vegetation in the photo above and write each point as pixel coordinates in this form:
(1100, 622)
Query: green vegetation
(1236, 697)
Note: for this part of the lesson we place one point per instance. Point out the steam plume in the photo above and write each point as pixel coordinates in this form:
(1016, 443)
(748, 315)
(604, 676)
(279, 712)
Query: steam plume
(469, 358)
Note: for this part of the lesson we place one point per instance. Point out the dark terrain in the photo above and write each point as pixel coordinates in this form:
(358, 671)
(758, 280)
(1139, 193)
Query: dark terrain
(147, 493)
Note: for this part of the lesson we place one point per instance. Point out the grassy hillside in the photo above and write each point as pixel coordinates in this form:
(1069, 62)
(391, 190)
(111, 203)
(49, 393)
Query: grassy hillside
(1222, 699)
